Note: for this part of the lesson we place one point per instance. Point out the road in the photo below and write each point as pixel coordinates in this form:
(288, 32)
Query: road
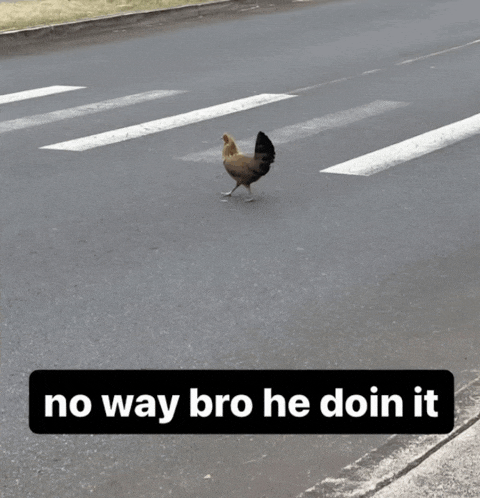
(126, 256)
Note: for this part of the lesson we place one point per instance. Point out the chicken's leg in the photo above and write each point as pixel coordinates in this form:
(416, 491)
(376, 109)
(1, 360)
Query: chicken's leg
(250, 199)
(228, 194)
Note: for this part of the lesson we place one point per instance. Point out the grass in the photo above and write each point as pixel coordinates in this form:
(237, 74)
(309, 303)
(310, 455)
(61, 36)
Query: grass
(27, 14)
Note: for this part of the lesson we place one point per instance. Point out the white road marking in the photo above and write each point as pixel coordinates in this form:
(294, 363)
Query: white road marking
(374, 71)
(37, 92)
(83, 110)
(158, 125)
(408, 149)
(433, 54)
(305, 129)
(324, 83)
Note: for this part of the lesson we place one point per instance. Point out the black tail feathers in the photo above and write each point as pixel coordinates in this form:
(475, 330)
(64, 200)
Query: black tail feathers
(264, 151)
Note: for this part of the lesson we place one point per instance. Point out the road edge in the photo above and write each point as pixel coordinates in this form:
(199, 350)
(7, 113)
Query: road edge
(120, 20)
(398, 456)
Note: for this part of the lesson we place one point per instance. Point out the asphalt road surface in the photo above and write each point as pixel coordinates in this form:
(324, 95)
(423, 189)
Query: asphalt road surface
(125, 255)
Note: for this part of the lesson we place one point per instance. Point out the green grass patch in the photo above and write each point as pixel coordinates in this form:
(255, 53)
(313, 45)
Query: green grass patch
(28, 14)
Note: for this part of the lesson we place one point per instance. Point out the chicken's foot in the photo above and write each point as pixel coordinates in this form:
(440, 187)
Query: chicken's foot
(228, 194)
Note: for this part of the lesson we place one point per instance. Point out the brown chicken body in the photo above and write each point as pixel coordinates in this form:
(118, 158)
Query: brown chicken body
(245, 169)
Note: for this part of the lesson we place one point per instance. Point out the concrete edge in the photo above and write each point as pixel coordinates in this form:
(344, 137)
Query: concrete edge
(120, 20)
(399, 455)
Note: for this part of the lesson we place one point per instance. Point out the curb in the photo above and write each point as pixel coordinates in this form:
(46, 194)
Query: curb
(398, 456)
(120, 20)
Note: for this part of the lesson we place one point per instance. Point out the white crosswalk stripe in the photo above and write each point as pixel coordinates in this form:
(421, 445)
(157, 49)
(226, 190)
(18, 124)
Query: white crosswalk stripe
(37, 92)
(407, 150)
(83, 110)
(158, 125)
(305, 129)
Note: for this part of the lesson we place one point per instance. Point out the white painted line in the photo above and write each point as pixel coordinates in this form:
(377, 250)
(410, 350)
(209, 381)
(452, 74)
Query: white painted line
(83, 110)
(408, 149)
(433, 54)
(305, 129)
(334, 120)
(158, 125)
(372, 71)
(37, 92)
(324, 83)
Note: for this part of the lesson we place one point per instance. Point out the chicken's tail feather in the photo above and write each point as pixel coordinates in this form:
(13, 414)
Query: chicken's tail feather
(264, 152)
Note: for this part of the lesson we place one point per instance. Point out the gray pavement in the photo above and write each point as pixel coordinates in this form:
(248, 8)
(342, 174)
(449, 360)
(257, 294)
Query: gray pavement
(126, 257)
(435, 466)
(450, 472)
(451, 468)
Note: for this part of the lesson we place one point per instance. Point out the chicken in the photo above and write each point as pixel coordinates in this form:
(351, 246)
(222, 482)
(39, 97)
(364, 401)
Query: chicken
(245, 169)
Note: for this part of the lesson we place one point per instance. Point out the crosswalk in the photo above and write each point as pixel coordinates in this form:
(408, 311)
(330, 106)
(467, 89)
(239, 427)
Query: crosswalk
(158, 125)
(83, 110)
(37, 92)
(307, 129)
(365, 165)
(407, 150)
